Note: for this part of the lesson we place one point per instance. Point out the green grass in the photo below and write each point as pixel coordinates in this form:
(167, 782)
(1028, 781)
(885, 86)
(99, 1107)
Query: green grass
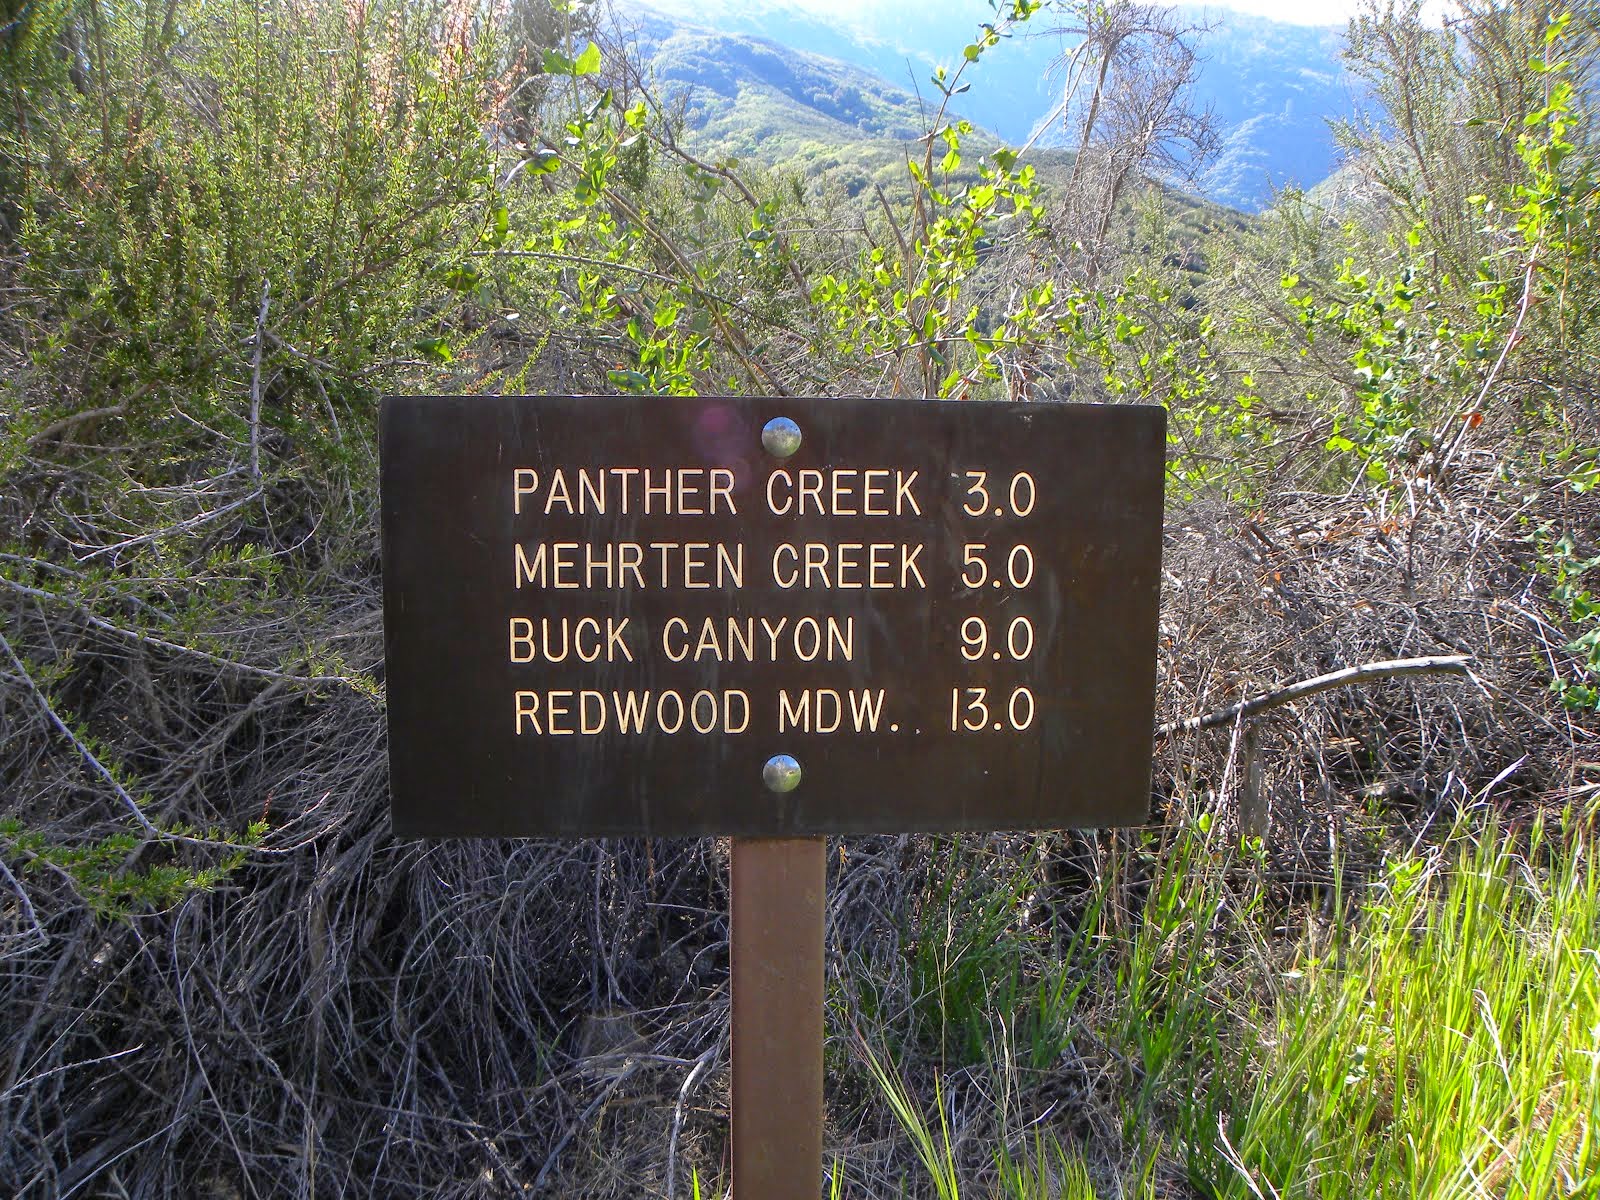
(1451, 1046)
(1444, 1042)
(1046, 1172)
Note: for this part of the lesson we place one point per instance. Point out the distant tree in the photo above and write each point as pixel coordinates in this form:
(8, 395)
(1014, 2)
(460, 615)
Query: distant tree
(1446, 104)
(1129, 113)
(527, 31)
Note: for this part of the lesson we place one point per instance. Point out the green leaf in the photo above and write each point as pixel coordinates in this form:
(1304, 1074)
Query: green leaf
(499, 227)
(435, 349)
(972, 52)
(628, 381)
(463, 278)
(587, 63)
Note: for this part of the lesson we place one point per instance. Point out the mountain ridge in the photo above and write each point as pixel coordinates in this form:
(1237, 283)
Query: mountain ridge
(1272, 86)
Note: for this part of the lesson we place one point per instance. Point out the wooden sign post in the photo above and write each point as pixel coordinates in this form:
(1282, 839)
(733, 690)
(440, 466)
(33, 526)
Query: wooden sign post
(773, 619)
(777, 927)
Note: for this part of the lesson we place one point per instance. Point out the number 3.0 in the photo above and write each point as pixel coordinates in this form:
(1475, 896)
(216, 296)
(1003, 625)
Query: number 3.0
(977, 495)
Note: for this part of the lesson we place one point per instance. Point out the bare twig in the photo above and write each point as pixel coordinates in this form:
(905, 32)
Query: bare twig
(255, 381)
(37, 935)
(72, 421)
(65, 730)
(700, 1065)
(894, 225)
(1512, 339)
(183, 526)
(1444, 664)
(176, 647)
(588, 1113)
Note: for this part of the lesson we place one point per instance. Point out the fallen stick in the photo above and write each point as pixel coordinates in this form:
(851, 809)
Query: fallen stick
(255, 382)
(1444, 664)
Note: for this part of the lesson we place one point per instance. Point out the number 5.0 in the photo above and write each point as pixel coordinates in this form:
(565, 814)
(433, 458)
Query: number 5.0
(973, 569)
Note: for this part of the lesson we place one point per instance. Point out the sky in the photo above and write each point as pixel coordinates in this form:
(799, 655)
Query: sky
(1310, 12)
(1297, 12)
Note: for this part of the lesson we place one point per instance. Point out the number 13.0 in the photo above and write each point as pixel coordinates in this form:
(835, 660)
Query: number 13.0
(974, 714)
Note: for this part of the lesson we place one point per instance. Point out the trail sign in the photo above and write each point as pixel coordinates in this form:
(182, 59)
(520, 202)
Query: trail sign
(776, 619)
(650, 615)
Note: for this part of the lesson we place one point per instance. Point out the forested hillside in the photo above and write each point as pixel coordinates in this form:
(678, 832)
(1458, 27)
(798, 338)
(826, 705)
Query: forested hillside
(1271, 86)
(1351, 954)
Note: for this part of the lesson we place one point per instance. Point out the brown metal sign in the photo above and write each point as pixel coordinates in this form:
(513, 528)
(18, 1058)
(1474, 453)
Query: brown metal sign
(766, 617)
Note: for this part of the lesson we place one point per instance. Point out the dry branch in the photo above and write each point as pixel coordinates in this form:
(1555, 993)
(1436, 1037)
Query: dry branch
(65, 730)
(57, 428)
(700, 1065)
(255, 382)
(1444, 664)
